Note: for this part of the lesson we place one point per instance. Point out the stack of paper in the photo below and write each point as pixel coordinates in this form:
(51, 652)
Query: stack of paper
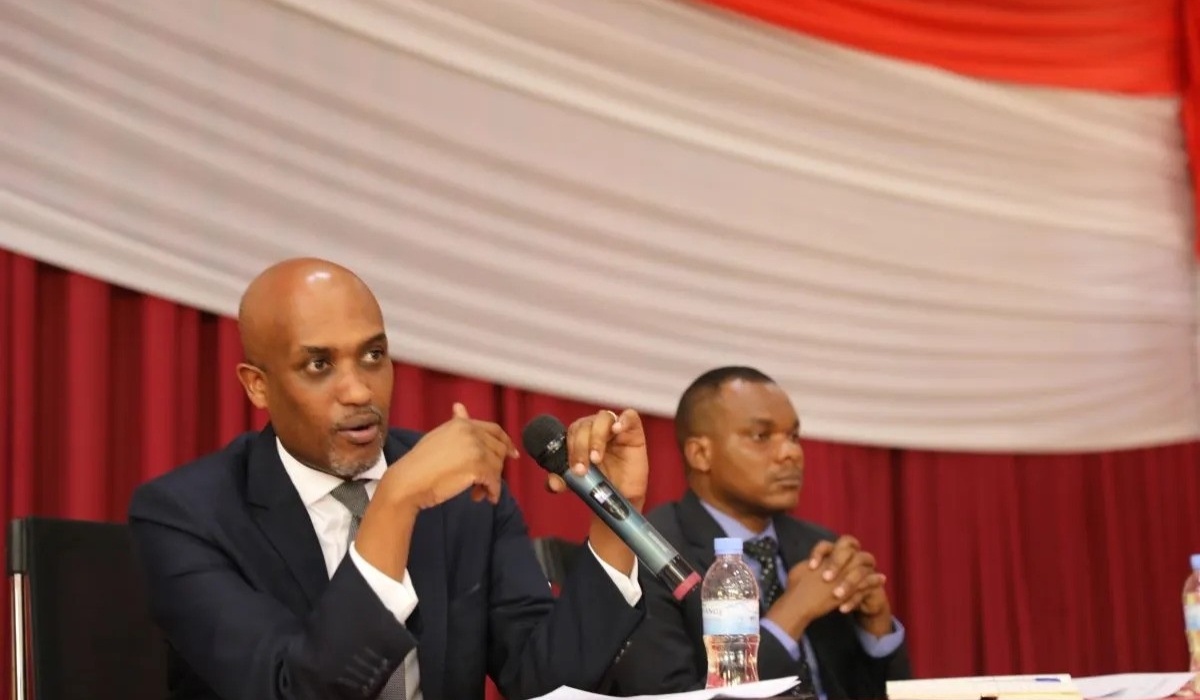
(761, 689)
(1134, 686)
(1045, 687)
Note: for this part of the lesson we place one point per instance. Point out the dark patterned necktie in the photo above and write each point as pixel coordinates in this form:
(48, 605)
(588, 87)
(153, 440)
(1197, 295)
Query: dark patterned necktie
(353, 495)
(765, 551)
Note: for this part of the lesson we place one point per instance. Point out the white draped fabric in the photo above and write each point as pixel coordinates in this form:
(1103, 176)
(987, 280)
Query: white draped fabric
(601, 199)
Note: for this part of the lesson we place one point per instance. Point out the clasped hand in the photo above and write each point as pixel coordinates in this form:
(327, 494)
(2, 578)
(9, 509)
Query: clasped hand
(836, 576)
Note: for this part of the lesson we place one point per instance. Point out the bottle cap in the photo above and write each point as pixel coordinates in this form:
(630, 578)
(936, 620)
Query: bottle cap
(1196, 562)
(727, 545)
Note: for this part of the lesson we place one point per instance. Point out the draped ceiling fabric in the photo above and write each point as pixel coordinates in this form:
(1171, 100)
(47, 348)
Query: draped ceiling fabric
(599, 200)
(1137, 47)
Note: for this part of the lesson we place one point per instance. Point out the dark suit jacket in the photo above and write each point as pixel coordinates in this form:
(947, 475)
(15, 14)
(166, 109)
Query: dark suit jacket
(238, 584)
(667, 654)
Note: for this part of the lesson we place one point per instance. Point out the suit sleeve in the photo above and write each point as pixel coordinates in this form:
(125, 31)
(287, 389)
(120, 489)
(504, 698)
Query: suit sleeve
(877, 671)
(244, 643)
(539, 643)
(846, 669)
(661, 657)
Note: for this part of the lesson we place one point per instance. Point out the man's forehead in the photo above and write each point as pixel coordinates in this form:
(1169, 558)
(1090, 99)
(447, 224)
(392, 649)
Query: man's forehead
(742, 401)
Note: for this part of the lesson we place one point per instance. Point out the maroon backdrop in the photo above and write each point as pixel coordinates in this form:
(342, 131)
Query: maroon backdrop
(997, 563)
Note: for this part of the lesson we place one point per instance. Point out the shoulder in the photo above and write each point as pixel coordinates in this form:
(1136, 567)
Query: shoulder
(665, 519)
(198, 491)
(405, 437)
(213, 470)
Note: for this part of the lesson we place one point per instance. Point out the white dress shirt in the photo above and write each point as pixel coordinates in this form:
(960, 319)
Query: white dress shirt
(331, 521)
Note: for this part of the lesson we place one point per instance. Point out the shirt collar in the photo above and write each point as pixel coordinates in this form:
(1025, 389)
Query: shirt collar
(313, 485)
(733, 528)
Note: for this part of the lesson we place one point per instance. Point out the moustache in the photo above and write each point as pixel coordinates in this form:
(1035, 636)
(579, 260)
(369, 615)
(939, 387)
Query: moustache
(362, 419)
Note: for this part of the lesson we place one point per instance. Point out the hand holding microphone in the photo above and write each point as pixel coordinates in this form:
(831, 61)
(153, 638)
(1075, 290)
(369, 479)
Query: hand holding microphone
(602, 458)
(616, 445)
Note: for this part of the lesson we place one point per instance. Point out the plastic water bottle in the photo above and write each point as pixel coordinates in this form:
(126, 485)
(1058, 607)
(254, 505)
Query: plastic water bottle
(729, 600)
(1191, 612)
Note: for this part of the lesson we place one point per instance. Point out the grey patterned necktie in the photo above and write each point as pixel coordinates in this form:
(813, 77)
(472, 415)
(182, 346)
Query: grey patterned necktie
(353, 495)
(765, 551)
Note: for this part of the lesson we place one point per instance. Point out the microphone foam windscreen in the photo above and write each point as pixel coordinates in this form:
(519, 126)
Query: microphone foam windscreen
(545, 439)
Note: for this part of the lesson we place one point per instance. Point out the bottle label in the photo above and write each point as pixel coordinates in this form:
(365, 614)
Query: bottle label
(1191, 616)
(730, 617)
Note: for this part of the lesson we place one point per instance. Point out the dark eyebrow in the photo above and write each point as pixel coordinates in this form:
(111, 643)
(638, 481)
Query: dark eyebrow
(318, 350)
(377, 338)
(768, 423)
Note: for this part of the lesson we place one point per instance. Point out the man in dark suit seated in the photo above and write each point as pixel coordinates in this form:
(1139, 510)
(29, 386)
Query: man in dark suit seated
(826, 616)
(328, 556)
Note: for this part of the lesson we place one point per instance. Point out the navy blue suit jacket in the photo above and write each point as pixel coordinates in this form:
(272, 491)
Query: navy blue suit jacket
(238, 584)
(667, 652)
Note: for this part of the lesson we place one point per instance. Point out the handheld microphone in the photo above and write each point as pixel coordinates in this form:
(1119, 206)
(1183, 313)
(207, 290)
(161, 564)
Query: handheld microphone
(545, 439)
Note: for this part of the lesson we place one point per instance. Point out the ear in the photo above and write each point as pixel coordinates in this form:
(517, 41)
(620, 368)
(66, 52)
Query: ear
(698, 453)
(255, 383)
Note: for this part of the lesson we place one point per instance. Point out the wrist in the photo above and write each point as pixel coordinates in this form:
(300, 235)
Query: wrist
(398, 498)
(609, 547)
(792, 622)
(384, 537)
(877, 625)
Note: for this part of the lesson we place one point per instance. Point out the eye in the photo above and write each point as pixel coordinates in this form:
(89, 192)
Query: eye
(376, 355)
(317, 365)
(760, 436)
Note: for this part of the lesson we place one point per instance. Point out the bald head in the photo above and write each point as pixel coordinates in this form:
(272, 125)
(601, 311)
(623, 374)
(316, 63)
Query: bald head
(316, 359)
(267, 309)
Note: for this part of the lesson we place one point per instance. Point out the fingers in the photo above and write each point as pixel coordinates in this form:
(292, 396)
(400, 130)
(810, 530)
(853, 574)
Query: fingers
(494, 447)
(497, 433)
(490, 429)
(602, 431)
(869, 584)
(489, 485)
(843, 553)
(862, 566)
(587, 440)
(555, 484)
(823, 549)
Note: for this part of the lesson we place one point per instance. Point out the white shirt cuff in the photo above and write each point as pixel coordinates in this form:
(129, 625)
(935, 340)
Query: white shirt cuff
(627, 585)
(397, 596)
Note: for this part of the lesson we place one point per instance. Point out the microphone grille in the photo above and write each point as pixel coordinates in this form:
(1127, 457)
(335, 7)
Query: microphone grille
(545, 439)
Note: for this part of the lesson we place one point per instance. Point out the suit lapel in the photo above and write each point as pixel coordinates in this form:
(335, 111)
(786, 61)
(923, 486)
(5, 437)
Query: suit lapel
(795, 543)
(700, 530)
(427, 571)
(280, 514)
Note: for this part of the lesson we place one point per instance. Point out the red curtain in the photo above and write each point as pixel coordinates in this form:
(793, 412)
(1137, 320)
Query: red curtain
(998, 563)
(1130, 46)
(1191, 98)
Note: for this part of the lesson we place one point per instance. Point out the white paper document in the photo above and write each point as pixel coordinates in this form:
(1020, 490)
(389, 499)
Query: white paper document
(1046, 686)
(761, 689)
(1133, 686)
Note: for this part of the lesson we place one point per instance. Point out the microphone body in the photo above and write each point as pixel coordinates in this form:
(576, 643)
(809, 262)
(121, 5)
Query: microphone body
(652, 550)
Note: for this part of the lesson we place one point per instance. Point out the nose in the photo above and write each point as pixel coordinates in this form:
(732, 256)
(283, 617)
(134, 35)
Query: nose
(792, 451)
(352, 390)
